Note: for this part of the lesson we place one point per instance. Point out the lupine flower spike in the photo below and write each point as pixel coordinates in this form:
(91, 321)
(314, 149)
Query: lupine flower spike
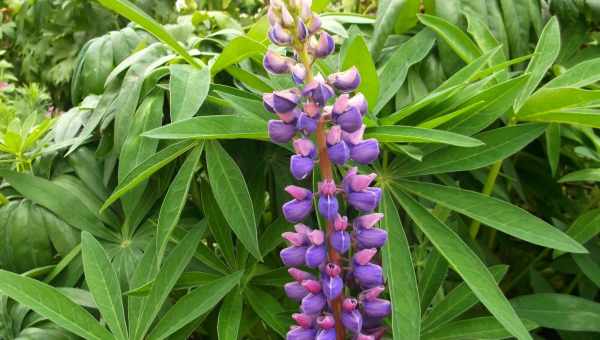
(328, 110)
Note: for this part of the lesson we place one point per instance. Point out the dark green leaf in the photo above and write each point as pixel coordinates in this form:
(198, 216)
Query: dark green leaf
(188, 88)
(212, 127)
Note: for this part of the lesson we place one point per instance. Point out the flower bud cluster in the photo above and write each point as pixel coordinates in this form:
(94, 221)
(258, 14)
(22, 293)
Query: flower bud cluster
(341, 261)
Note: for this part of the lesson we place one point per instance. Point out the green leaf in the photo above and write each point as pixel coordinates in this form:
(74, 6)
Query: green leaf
(175, 199)
(584, 175)
(553, 146)
(196, 303)
(546, 52)
(588, 266)
(458, 40)
(52, 304)
(557, 99)
(188, 88)
(237, 50)
(559, 311)
(69, 207)
(466, 263)
(410, 134)
(267, 308)
(458, 301)
(499, 144)
(357, 54)
(585, 226)
(580, 75)
(387, 15)
(393, 73)
(429, 99)
(432, 277)
(166, 279)
(230, 315)
(575, 116)
(480, 328)
(251, 80)
(495, 213)
(401, 280)
(217, 224)
(104, 285)
(213, 127)
(148, 167)
(487, 42)
(516, 18)
(131, 12)
(232, 195)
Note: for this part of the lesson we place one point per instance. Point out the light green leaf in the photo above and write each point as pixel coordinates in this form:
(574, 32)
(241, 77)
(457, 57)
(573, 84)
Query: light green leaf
(166, 279)
(495, 213)
(458, 301)
(575, 116)
(398, 266)
(104, 285)
(580, 75)
(188, 87)
(546, 52)
(148, 167)
(394, 72)
(458, 40)
(213, 127)
(232, 195)
(131, 12)
(585, 227)
(196, 303)
(584, 175)
(559, 311)
(237, 50)
(553, 146)
(481, 328)
(499, 144)
(387, 15)
(230, 315)
(175, 199)
(410, 134)
(52, 304)
(466, 263)
(357, 54)
(589, 264)
(69, 207)
(557, 99)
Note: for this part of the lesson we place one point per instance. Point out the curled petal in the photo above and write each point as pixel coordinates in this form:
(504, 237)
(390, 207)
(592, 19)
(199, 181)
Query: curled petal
(366, 200)
(340, 241)
(285, 100)
(377, 308)
(298, 193)
(268, 102)
(327, 187)
(365, 152)
(281, 132)
(367, 221)
(295, 239)
(345, 81)
(352, 320)
(349, 304)
(297, 210)
(339, 153)
(361, 182)
(326, 321)
(371, 293)
(300, 166)
(313, 286)
(316, 255)
(295, 291)
(293, 256)
(275, 63)
(324, 46)
(313, 303)
(289, 117)
(312, 109)
(301, 31)
(364, 337)
(341, 105)
(314, 24)
(302, 229)
(279, 35)
(328, 206)
(318, 90)
(316, 237)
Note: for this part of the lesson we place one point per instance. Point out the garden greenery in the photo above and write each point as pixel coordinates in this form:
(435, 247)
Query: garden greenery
(448, 150)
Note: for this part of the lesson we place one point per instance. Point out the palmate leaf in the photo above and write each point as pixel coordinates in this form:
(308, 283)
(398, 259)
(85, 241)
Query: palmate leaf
(495, 213)
(52, 304)
(466, 263)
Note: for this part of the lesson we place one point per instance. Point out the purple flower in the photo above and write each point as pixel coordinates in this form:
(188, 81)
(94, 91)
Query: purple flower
(346, 81)
(350, 120)
(281, 132)
(306, 124)
(293, 256)
(299, 333)
(318, 90)
(324, 46)
(279, 35)
(300, 275)
(313, 303)
(370, 238)
(304, 320)
(326, 334)
(301, 31)
(366, 200)
(328, 206)
(369, 275)
(360, 102)
(298, 73)
(326, 323)
(301, 166)
(339, 153)
(276, 63)
(314, 24)
(285, 100)
(352, 320)
(377, 308)
(332, 283)
(295, 291)
(340, 241)
(365, 152)
(301, 206)
(367, 221)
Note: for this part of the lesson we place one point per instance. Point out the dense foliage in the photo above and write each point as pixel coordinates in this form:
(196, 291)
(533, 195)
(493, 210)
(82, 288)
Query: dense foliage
(141, 196)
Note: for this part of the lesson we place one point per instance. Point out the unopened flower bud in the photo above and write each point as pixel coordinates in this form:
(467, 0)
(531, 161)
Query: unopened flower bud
(324, 45)
(295, 291)
(366, 200)
(293, 256)
(365, 152)
(313, 303)
(279, 35)
(301, 166)
(298, 73)
(281, 132)
(275, 63)
(345, 81)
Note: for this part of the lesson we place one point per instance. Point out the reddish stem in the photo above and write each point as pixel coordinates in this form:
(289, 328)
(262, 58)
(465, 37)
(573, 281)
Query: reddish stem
(334, 257)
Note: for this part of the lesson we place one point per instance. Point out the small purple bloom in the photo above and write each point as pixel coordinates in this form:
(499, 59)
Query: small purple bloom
(328, 206)
(326, 321)
(295, 291)
(365, 152)
(306, 124)
(340, 223)
(370, 238)
(340, 241)
(345, 81)
(350, 120)
(297, 210)
(324, 45)
(279, 35)
(314, 24)
(301, 166)
(352, 320)
(299, 333)
(361, 182)
(366, 200)
(285, 100)
(301, 31)
(276, 63)
(298, 73)
(298, 193)
(318, 90)
(281, 132)
(313, 303)
(377, 308)
(363, 337)
(339, 153)
(369, 275)
(360, 102)
(268, 102)
(304, 320)
(367, 221)
(326, 334)
(353, 138)
(293, 256)
(332, 286)
(299, 275)
(316, 255)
